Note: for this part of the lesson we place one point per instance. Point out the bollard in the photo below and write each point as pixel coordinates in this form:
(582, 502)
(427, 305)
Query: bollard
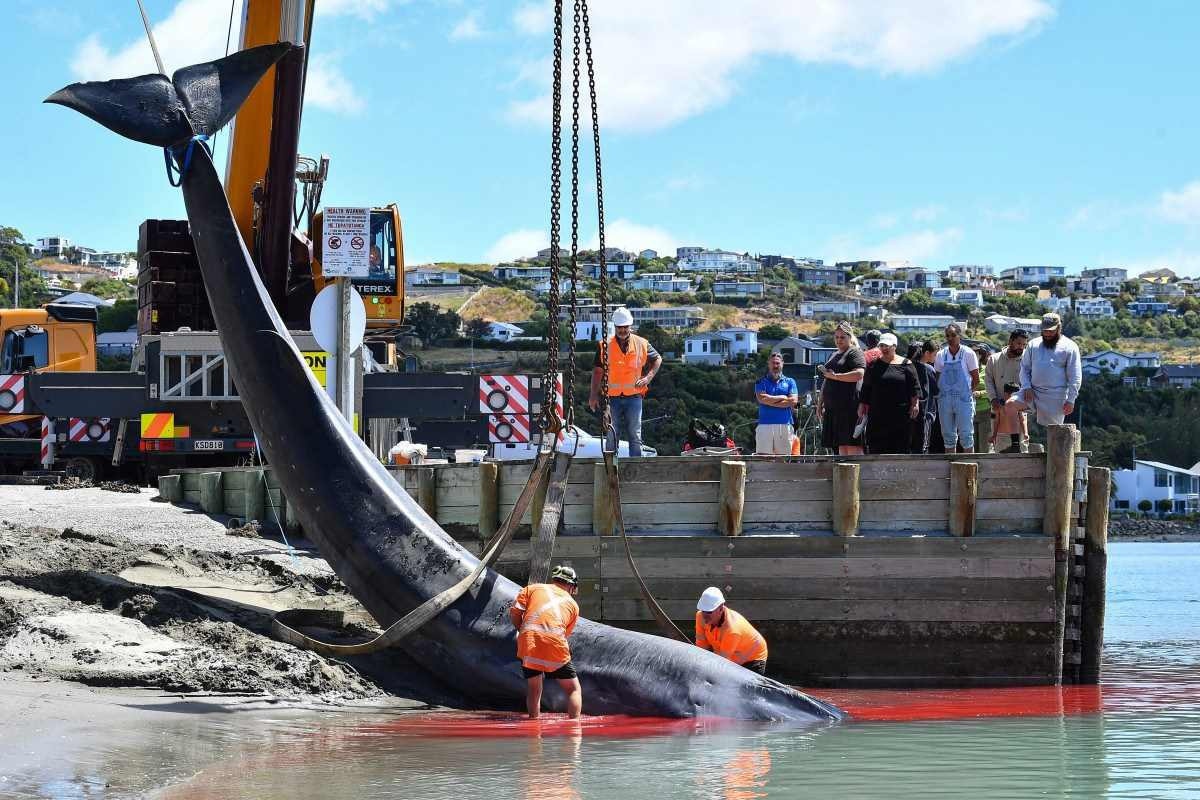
(1060, 480)
(845, 499)
(1094, 583)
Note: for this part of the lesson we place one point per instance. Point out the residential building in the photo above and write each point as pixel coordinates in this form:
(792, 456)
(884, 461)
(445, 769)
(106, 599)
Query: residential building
(1161, 290)
(967, 274)
(432, 277)
(965, 297)
(718, 262)
(882, 287)
(904, 324)
(1154, 481)
(587, 309)
(1033, 275)
(660, 282)
(590, 331)
(709, 348)
(829, 309)
(999, 323)
(648, 254)
(1187, 284)
(1103, 281)
(797, 351)
(564, 286)
(743, 342)
(769, 261)
(682, 253)
(1179, 376)
(617, 254)
(502, 332)
(51, 247)
(1117, 363)
(924, 279)
(820, 275)
(943, 295)
(739, 288)
(874, 266)
(544, 254)
(1147, 307)
(117, 344)
(615, 269)
(520, 272)
(669, 317)
(1094, 307)
(1059, 305)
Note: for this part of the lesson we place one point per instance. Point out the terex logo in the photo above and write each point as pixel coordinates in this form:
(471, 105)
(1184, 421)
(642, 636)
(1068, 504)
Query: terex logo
(370, 288)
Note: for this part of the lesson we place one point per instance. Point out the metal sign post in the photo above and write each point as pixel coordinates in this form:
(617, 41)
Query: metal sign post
(345, 381)
(338, 317)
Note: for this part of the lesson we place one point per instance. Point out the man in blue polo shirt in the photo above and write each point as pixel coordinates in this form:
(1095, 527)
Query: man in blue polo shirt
(777, 396)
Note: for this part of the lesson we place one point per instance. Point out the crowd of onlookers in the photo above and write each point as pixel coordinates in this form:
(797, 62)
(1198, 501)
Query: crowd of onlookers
(876, 397)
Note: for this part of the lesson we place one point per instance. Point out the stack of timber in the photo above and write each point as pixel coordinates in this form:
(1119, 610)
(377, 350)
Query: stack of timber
(170, 290)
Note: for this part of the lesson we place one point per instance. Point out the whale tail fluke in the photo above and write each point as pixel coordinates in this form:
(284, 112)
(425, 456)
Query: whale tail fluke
(200, 99)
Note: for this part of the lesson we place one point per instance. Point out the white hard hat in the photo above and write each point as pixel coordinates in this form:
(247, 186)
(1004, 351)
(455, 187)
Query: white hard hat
(711, 600)
(622, 317)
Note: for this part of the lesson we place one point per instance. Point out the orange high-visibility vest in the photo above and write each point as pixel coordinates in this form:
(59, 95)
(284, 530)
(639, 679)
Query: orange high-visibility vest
(550, 614)
(735, 639)
(625, 366)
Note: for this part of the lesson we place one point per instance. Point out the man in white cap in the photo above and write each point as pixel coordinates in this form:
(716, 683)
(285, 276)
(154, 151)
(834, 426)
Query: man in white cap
(1051, 374)
(632, 364)
(728, 634)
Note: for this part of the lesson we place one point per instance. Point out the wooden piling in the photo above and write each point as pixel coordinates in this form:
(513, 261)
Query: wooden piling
(170, 488)
(964, 485)
(845, 499)
(1095, 568)
(255, 507)
(212, 501)
(427, 490)
(732, 500)
(489, 499)
(1056, 523)
(603, 521)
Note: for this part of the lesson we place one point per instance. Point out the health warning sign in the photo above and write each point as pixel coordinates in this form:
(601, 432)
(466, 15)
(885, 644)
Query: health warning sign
(345, 242)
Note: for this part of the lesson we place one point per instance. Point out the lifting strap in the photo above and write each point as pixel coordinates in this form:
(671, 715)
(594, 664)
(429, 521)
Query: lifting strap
(614, 492)
(435, 605)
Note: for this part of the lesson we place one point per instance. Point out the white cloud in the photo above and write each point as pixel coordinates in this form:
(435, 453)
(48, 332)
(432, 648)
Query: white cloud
(363, 9)
(192, 34)
(927, 213)
(662, 62)
(631, 236)
(1017, 213)
(326, 87)
(467, 28)
(517, 244)
(915, 246)
(1182, 206)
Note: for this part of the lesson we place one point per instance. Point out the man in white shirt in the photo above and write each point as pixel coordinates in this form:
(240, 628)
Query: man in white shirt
(958, 375)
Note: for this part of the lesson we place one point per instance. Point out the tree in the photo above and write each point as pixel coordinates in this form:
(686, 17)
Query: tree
(1145, 506)
(431, 323)
(120, 316)
(773, 331)
(1163, 506)
(477, 328)
(108, 288)
(14, 260)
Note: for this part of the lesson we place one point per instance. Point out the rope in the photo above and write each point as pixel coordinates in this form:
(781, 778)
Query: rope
(435, 605)
(171, 153)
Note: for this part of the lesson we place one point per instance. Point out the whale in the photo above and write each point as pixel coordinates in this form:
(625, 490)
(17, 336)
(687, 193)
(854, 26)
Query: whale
(390, 554)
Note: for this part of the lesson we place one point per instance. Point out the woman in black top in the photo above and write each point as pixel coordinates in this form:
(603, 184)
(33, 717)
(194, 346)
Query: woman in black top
(837, 405)
(891, 392)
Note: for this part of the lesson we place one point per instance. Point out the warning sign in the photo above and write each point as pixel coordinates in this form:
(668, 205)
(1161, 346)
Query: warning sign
(318, 363)
(344, 236)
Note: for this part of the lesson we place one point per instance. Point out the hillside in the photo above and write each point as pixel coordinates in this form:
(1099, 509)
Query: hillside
(498, 305)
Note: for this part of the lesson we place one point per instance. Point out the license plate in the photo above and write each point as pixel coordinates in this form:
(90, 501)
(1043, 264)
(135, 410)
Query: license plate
(209, 444)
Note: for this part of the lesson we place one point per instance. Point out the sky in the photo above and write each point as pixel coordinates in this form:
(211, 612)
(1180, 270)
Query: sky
(937, 131)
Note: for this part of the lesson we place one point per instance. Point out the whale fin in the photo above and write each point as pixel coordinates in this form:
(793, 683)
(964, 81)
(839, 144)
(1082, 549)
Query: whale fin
(199, 99)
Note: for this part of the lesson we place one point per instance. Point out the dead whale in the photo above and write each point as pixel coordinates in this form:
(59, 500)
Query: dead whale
(389, 552)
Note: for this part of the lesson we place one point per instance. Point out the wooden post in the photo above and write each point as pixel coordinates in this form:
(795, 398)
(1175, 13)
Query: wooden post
(964, 485)
(845, 499)
(170, 488)
(255, 495)
(1060, 479)
(212, 500)
(732, 500)
(603, 521)
(1094, 583)
(427, 490)
(489, 499)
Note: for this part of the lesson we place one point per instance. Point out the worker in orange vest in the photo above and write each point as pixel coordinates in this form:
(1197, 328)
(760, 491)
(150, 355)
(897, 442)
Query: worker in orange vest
(632, 364)
(544, 615)
(728, 634)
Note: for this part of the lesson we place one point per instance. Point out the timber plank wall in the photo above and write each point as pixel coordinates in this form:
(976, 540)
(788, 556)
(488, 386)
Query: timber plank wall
(902, 602)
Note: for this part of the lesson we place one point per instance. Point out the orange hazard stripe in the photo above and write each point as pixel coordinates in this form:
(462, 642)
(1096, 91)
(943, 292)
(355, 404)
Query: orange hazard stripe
(153, 425)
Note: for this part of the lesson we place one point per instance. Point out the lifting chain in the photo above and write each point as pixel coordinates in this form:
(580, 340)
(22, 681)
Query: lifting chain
(605, 411)
(569, 376)
(550, 423)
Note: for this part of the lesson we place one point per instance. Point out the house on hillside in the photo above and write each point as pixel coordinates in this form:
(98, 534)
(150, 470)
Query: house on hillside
(669, 317)
(829, 309)
(999, 323)
(1094, 307)
(802, 352)
(1033, 276)
(502, 332)
(660, 282)
(619, 270)
(1153, 481)
(693, 259)
(520, 272)
(1147, 307)
(924, 279)
(1179, 376)
(117, 344)
(432, 277)
(819, 274)
(739, 288)
(882, 288)
(1116, 363)
(720, 347)
(1160, 289)
(906, 324)
(648, 254)
(1059, 305)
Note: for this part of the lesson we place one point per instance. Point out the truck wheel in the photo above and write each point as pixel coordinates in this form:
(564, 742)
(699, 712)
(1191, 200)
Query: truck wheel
(85, 469)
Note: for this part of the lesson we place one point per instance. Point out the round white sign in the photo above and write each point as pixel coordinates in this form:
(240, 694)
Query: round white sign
(324, 319)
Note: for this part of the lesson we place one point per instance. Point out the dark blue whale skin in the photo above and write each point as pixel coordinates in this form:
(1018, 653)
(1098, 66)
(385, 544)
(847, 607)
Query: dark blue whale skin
(390, 553)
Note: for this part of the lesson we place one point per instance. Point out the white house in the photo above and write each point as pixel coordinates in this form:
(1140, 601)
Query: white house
(710, 348)
(921, 323)
(739, 288)
(432, 277)
(669, 317)
(1033, 276)
(520, 272)
(966, 297)
(838, 309)
(51, 247)
(1117, 363)
(715, 261)
(660, 282)
(743, 341)
(882, 287)
(1094, 307)
(502, 332)
(1150, 480)
(1059, 305)
(564, 286)
(999, 323)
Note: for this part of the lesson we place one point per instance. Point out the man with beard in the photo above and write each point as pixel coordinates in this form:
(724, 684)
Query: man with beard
(1051, 374)
(1004, 368)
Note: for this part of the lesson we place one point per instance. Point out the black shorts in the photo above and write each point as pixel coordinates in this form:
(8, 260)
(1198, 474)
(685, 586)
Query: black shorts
(564, 673)
(759, 666)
